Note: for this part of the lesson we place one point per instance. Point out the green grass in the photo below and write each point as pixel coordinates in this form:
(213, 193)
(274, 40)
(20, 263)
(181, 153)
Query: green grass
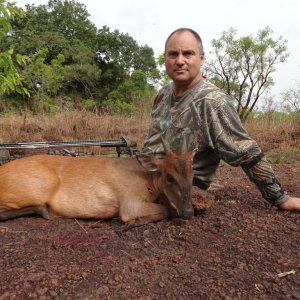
(288, 155)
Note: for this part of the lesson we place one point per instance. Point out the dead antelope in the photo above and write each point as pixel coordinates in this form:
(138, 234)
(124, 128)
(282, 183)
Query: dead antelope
(101, 188)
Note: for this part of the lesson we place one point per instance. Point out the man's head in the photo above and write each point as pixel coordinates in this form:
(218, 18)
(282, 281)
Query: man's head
(184, 57)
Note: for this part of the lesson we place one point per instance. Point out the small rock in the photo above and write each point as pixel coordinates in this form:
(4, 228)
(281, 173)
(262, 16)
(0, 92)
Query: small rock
(84, 275)
(53, 294)
(42, 291)
(36, 277)
(102, 290)
(214, 230)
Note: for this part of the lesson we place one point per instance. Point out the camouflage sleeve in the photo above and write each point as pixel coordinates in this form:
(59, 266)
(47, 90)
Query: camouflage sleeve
(227, 136)
(233, 144)
(261, 173)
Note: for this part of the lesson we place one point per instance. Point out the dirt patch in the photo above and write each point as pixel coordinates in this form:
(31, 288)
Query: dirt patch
(240, 248)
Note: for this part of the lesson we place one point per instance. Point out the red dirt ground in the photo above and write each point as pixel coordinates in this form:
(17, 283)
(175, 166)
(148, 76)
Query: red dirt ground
(239, 248)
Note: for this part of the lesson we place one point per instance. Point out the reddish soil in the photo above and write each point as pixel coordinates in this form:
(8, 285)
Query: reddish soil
(239, 248)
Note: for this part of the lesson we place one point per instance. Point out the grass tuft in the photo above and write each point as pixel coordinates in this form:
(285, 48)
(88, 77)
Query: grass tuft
(276, 137)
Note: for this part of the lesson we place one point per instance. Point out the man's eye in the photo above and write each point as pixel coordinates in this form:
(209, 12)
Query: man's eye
(188, 54)
(172, 54)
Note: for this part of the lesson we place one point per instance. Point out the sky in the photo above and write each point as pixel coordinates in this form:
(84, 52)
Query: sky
(150, 22)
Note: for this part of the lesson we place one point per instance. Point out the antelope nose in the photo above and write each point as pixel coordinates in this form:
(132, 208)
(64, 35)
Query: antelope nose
(188, 213)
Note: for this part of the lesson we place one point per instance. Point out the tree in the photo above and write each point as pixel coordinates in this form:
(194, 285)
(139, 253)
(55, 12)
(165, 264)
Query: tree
(10, 80)
(71, 18)
(36, 30)
(127, 96)
(59, 29)
(42, 77)
(119, 56)
(83, 72)
(68, 57)
(291, 99)
(243, 66)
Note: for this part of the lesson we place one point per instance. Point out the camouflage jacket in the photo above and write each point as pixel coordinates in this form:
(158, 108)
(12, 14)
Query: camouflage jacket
(210, 123)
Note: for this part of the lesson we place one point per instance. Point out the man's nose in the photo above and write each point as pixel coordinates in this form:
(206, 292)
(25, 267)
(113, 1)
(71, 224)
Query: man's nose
(180, 60)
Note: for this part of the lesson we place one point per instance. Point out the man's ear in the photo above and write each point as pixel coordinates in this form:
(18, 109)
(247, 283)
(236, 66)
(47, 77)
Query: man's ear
(149, 162)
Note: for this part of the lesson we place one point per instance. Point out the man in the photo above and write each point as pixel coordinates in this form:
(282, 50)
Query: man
(193, 107)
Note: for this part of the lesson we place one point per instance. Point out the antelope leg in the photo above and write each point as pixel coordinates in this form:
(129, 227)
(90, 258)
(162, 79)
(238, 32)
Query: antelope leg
(11, 213)
(141, 213)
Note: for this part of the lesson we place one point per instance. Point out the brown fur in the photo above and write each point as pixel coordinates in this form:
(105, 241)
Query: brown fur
(78, 187)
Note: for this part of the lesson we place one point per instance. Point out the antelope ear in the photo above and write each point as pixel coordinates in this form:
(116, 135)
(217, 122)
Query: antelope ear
(194, 152)
(183, 147)
(167, 150)
(149, 162)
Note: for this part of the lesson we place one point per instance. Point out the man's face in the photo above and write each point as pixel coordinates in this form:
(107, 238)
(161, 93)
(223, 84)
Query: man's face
(183, 59)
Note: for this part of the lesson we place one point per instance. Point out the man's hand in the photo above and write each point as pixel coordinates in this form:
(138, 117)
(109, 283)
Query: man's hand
(292, 203)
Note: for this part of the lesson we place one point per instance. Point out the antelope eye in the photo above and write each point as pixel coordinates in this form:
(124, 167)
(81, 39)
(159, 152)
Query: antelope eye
(170, 179)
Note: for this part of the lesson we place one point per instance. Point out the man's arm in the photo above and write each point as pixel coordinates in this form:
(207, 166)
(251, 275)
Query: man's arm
(234, 146)
(262, 174)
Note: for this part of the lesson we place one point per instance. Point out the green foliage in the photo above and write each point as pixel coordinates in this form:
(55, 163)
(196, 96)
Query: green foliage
(10, 81)
(118, 55)
(40, 77)
(243, 66)
(89, 104)
(83, 73)
(162, 75)
(68, 58)
(276, 116)
(8, 11)
(71, 19)
(287, 155)
(115, 47)
(62, 29)
(42, 103)
(125, 99)
(116, 103)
